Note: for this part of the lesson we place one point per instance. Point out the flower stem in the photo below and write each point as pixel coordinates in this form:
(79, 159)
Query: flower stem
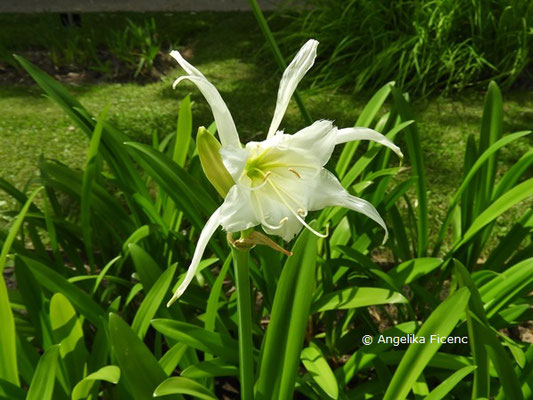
(263, 24)
(244, 310)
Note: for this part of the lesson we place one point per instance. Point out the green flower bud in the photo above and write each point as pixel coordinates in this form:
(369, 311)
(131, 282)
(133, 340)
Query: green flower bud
(214, 169)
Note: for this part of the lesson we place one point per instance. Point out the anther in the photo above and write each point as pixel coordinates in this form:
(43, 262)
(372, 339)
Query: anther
(301, 211)
(267, 175)
(283, 220)
(295, 173)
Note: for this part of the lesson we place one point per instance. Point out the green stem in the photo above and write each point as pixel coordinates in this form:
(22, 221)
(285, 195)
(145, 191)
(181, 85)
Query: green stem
(263, 24)
(244, 310)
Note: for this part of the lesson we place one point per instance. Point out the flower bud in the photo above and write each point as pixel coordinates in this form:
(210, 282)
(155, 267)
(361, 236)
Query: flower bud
(214, 169)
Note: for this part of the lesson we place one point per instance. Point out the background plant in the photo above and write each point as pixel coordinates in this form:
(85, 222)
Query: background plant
(425, 46)
(112, 46)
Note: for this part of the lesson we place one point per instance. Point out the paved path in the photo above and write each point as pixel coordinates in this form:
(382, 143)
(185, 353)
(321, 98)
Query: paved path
(37, 6)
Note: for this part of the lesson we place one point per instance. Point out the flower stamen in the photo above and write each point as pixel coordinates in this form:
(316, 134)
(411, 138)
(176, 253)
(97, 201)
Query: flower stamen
(295, 173)
(283, 220)
(294, 212)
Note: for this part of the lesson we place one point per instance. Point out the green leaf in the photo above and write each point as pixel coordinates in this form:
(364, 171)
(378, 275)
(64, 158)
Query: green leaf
(214, 296)
(147, 269)
(87, 181)
(412, 270)
(183, 132)
(467, 183)
(356, 297)
(139, 234)
(199, 338)
(364, 357)
(179, 385)
(498, 207)
(57, 283)
(13, 231)
(501, 290)
(449, 383)
(513, 174)
(414, 151)
(504, 367)
(440, 322)
(32, 295)
(152, 301)
(244, 321)
(320, 371)
(184, 190)
(284, 337)
(140, 370)
(42, 383)
(67, 331)
(8, 360)
(8, 391)
(476, 332)
(110, 373)
(172, 357)
(491, 131)
(209, 369)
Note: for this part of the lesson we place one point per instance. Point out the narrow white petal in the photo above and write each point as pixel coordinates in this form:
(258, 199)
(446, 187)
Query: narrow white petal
(329, 192)
(185, 65)
(291, 77)
(351, 134)
(208, 231)
(225, 125)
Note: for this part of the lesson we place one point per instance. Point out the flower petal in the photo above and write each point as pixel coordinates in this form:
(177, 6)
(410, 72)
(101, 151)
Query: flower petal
(276, 218)
(329, 192)
(317, 140)
(209, 229)
(291, 77)
(234, 159)
(351, 134)
(237, 212)
(225, 125)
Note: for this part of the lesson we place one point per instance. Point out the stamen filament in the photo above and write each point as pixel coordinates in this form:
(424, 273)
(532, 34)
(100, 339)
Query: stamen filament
(294, 212)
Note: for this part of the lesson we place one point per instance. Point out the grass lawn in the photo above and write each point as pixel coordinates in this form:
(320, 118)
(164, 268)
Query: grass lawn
(225, 47)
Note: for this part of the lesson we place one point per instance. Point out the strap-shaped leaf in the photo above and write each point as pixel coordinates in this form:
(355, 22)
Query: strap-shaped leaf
(140, 370)
(180, 385)
(110, 373)
(440, 322)
(152, 301)
(320, 371)
(42, 384)
(356, 297)
(199, 338)
(57, 283)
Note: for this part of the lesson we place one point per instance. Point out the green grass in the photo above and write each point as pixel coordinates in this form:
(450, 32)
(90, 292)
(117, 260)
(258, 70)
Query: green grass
(229, 58)
(427, 46)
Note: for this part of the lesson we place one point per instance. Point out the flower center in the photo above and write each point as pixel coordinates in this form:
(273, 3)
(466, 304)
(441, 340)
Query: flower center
(257, 168)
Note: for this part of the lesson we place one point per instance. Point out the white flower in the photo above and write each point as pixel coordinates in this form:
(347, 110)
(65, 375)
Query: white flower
(279, 180)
